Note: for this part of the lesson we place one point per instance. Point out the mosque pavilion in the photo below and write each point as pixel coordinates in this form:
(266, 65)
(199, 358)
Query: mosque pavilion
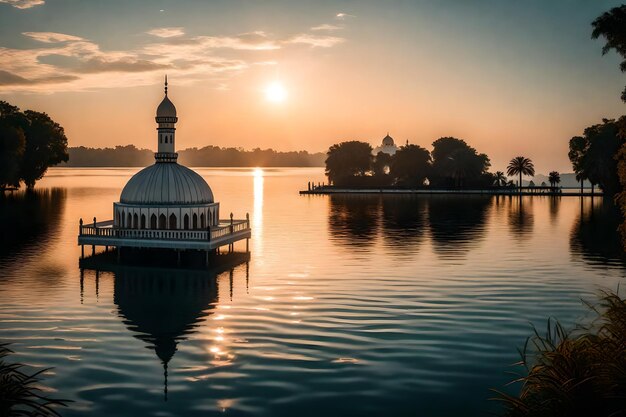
(387, 146)
(166, 205)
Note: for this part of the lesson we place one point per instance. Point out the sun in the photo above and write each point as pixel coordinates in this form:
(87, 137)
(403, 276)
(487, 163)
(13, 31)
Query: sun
(275, 92)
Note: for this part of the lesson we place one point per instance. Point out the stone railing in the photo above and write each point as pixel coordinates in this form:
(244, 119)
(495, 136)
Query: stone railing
(107, 229)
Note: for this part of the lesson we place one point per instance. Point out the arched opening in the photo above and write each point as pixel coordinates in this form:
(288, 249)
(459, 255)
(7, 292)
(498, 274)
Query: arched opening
(162, 222)
(153, 221)
(202, 225)
(210, 217)
(118, 219)
(143, 221)
(135, 221)
(195, 221)
(186, 222)
(173, 221)
(129, 221)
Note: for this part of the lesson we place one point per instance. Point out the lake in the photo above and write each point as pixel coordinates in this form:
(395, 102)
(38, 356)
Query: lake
(347, 305)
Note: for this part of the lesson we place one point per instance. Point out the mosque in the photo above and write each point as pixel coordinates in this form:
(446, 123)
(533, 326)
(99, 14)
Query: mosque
(166, 205)
(387, 146)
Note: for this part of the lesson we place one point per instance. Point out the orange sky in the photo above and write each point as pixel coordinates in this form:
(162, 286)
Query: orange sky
(509, 79)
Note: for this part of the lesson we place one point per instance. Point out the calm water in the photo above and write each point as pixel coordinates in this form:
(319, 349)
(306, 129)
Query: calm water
(347, 306)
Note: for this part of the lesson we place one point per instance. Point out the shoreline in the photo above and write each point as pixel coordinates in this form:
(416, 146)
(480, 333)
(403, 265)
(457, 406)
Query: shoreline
(396, 191)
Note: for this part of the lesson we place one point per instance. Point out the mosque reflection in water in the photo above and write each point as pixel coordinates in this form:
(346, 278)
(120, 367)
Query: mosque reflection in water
(162, 307)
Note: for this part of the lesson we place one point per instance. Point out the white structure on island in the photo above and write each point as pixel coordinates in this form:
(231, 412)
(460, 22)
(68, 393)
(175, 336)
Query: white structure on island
(166, 205)
(387, 146)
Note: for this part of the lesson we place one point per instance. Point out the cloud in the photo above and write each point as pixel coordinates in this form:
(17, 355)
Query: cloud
(316, 41)
(7, 78)
(23, 4)
(343, 16)
(170, 32)
(101, 64)
(64, 62)
(51, 37)
(327, 27)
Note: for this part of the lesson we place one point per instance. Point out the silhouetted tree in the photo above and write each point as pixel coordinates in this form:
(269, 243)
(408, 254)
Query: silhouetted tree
(520, 166)
(554, 178)
(382, 164)
(45, 143)
(348, 159)
(455, 163)
(612, 26)
(11, 150)
(593, 155)
(411, 165)
(577, 148)
(499, 179)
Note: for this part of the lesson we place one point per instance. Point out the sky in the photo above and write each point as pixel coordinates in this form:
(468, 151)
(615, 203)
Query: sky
(509, 77)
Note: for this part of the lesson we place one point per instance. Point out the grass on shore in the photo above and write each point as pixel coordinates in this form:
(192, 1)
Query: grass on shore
(20, 392)
(576, 373)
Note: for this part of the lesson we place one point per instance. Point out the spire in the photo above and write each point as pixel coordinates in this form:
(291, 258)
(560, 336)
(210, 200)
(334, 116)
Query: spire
(165, 84)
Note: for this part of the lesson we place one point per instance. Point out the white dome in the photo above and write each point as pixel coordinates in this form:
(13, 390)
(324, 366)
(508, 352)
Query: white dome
(166, 183)
(388, 141)
(166, 108)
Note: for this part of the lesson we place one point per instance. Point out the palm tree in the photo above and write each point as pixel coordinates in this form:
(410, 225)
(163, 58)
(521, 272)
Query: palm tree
(554, 177)
(520, 166)
(499, 179)
(581, 177)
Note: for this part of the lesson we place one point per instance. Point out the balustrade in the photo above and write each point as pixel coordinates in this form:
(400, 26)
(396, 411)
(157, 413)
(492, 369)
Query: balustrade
(105, 229)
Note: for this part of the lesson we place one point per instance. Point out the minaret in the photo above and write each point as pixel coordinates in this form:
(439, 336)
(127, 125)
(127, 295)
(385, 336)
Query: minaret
(166, 118)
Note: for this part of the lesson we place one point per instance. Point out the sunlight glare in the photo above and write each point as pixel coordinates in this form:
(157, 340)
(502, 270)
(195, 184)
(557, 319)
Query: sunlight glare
(275, 92)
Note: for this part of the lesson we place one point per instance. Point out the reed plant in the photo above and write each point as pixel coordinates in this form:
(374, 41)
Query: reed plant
(21, 393)
(581, 372)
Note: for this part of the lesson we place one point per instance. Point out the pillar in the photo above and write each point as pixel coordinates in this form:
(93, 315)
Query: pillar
(97, 283)
(82, 281)
(82, 251)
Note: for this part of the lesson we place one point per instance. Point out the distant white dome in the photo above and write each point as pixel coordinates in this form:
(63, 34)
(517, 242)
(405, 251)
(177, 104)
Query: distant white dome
(166, 108)
(388, 140)
(166, 183)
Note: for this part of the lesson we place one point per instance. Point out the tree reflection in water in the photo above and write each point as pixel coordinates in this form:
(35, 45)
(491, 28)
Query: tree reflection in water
(457, 223)
(29, 218)
(594, 237)
(520, 215)
(354, 219)
(404, 222)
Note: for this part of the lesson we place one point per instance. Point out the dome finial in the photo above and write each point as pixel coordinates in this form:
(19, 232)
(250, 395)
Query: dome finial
(165, 84)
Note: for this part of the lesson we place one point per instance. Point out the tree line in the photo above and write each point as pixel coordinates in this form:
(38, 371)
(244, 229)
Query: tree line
(208, 156)
(30, 142)
(452, 163)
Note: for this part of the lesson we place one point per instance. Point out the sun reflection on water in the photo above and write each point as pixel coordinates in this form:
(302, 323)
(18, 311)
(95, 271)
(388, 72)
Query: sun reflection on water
(257, 227)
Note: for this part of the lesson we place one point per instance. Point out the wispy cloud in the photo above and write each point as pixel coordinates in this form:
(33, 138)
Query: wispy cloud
(7, 78)
(23, 4)
(170, 32)
(343, 16)
(51, 37)
(65, 62)
(316, 41)
(326, 27)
